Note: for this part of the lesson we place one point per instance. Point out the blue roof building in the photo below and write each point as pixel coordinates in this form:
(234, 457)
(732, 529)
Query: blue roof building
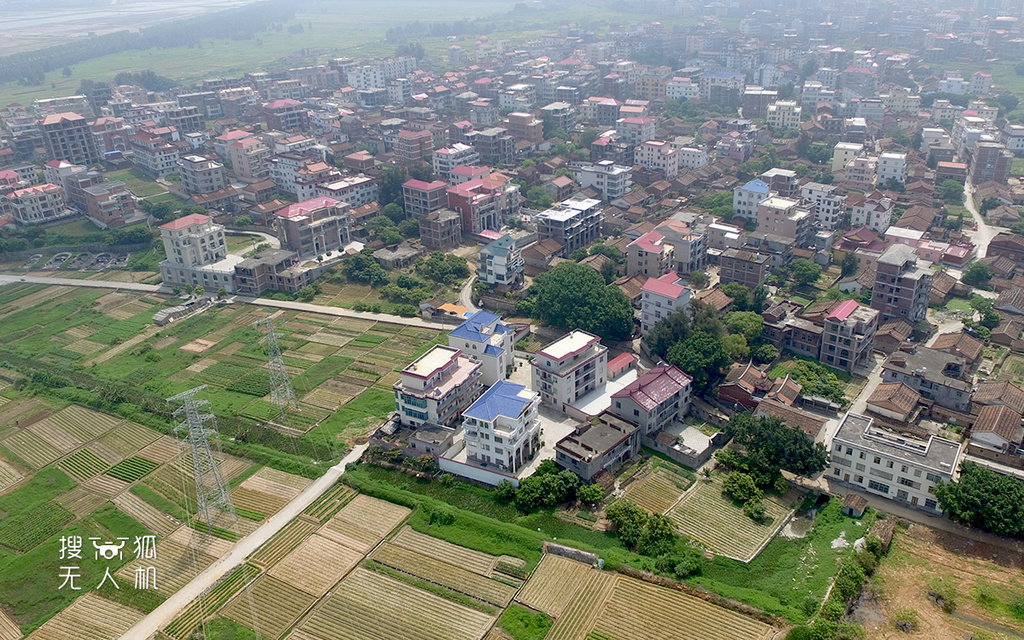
(746, 198)
(485, 339)
(502, 427)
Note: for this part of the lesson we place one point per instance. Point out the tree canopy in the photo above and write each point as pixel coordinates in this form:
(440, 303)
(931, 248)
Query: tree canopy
(977, 274)
(984, 499)
(772, 446)
(702, 356)
(443, 267)
(804, 271)
(574, 296)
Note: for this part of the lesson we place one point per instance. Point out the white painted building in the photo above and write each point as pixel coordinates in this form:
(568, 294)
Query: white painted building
(657, 155)
(662, 297)
(825, 202)
(569, 368)
(447, 158)
(894, 466)
(784, 114)
(484, 338)
(611, 180)
(502, 427)
(875, 212)
(891, 166)
(437, 387)
(682, 89)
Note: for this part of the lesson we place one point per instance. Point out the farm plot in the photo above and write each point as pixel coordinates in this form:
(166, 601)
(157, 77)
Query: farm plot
(316, 565)
(475, 561)
(26, 530)
(552, 584)
(641, 611)
(132, 469)
(281, 544)
(201, 541)
(442, 573)
(364, 522)
(325, 506)
(202, 608)
(9, 474)
(176, 564)
(267, 490)
(162, 450)
(352, 612)
(31, 448)
(62, 441)
(90, 617)
(129, 438)
(81, 501)
(579, 615)
(83, 424)
(82, 465)
(709, 517)
(658, 491)
(152, 518)
(274, 606)
(9, 629)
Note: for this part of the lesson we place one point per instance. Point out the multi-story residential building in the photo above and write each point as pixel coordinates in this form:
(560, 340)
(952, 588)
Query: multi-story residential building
(500, 262)
(649, 255)
(1012, 137)
(611, 180)
(784, 182)
(569, 368)
(938, 376)
(784, 114)
(726, 80)
(861, 173)
(38, 204)
(894, 466)
(723, 236)
(484, 203)
(787, 218)
(746, 198)
(411, 147)
(575, 223)
(67, 136)
(108, 204)
(559, 115)
(59, 171)
(494, 144)
(153, 154)
(196, 254)
(524, 126)
(874, 212)
(598, 445)
(689, 245)
(891, 166)
(437, 387)
(201, 175)
(502, 427)
(657, 155)
(756, 100)
(682, 89)
(185, 119)
(315, 226)
(111, 134)
(654, 400)
(981, 84)
(849, 336)
(422, 197)
(248, 158)
(662, 297)
(745, 267)
(903, 284)
(635, 130)
(825, 202)
(286, 115)
(447, 158)
(356, 190)
(692, 157)
(990, 161)
(484, 338)
(844, 153)
(441, 229)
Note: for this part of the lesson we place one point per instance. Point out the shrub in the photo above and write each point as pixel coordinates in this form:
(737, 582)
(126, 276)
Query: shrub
(505, 491)
(867, 561)
(754, 509)
(591, 493)
(834, 609)
(945, 591)
(741, 488)
(437, 514)
(906, 620)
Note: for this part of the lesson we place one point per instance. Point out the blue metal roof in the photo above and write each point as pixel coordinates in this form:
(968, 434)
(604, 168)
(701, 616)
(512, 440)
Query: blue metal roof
(491, 350)
(757, 185)
(502, 399)
(473, 328)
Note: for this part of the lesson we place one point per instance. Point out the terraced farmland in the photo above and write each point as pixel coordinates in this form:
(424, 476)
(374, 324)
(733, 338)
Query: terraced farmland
(579, 615)
(438, 572)
(316, 565)
(552, 584)
(353, 612)
(658, 491)
(637, 610)
(709, 517)
(283, 542)
(468, 559)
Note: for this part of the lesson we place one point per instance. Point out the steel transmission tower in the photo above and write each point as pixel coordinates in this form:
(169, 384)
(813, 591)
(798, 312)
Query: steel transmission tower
(211, 490)
(282, 395)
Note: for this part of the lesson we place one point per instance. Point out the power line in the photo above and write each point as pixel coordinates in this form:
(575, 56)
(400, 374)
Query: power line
(282, 395)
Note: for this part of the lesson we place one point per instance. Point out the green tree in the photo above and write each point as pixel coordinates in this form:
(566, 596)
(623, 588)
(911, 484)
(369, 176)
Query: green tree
(984, 499)
(989, 204)
(591, 493)
(741, 487)
(410, 228)
(394, 212)
(200, 291)
(574, 296)
(951, 191)
(804, 271)
(771, 445)
(306, 294)
(977, 274)
(735, 345)
(361, 267)
(390, 188)
(748, 323)
(445, 268)
(702, 356)
(698, 280)
(764, 354)
(579, 254)
(538, 198)
(849, 264)
(588, 136)
(222, 292)
(667, 332)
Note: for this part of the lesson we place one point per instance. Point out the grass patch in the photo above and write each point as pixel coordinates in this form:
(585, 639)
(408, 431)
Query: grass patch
(435, 589)
(958, 304)
(523, 624)
(227, 629)
(355, 418)
(154, 499)
(43, 487)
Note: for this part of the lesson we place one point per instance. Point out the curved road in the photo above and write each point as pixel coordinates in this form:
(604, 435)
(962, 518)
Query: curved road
(161, 616)
(466, 295)
(985, 232)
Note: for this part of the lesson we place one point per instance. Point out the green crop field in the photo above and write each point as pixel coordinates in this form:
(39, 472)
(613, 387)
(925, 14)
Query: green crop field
(132, 469)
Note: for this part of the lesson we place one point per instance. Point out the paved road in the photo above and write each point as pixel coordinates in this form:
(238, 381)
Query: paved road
(74, 282)
(466, 295)
(166, 612)
(985, 231)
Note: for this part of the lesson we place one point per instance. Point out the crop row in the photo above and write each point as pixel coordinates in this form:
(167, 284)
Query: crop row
(132, 469)
(282, 543)
(444, 574)
(25, 531)
(270, 605)
(553, 584)
(468, 559)
(210, 601)
(584, 607)
(83, 465)
(325, 506)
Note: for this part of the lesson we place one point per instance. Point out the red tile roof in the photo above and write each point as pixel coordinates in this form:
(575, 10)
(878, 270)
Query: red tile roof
(656, 386)
(181, 223)
(665, 285)
(843, 311)
(306, 207)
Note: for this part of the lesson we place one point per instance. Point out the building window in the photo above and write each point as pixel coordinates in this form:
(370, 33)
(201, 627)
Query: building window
(878, 486)
(930, 504)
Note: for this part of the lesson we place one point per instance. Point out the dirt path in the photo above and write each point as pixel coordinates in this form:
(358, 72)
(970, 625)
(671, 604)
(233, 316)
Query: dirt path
(166, 612)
